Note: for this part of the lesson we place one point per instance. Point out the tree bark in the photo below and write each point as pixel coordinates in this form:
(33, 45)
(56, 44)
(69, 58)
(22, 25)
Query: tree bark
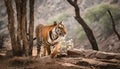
(113, 25)
(18, 9)
(1, 41)
(11, 27)
(86, 28)
(31, 26)
(24, 28)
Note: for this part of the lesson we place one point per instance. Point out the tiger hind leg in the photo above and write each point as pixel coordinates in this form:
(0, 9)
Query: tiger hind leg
(44, 51)
(39, 48)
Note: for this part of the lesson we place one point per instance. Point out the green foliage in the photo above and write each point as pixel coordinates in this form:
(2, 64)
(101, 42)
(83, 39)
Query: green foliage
(62, 16)
(98, 12)
(100, 15)
(81, 34)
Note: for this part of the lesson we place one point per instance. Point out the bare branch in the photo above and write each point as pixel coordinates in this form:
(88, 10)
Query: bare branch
(75, 1)
(113, 25)
(71, 2)
(77, 10)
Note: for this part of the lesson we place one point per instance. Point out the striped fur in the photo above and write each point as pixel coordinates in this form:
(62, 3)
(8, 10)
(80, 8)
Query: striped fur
(49, 36)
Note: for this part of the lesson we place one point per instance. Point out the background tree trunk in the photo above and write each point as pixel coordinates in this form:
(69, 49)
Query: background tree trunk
(1, 41)
(113, 25)
(11, 27)
(18, 9)
(19, 40)
(86, 28)
(24, 28)
(31, 26)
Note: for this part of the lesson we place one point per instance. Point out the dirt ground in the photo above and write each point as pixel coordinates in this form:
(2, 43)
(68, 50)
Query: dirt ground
(84, 59)
(56, 63)
(8, 62)
(37, 63)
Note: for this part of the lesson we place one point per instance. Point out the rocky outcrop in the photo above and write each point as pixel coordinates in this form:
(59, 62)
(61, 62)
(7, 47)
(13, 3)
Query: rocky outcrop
(93, 54)
(94, 59)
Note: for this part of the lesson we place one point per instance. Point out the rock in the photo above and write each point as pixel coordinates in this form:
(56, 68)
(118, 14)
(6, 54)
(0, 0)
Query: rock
(61, 55)
(93, 54)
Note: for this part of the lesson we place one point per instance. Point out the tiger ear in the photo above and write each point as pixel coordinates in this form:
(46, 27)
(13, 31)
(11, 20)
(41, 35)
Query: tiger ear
(55, 23)
(61, 22)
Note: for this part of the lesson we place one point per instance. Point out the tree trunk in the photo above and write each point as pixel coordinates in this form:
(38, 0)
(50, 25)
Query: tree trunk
(88, 32)
(31, 26)
(113, 25)
(18, 9)
(86, 28)
(11, 27)
(24, 28)
(1, 41)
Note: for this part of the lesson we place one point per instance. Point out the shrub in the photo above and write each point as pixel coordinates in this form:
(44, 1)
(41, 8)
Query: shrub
(81, 34)
(100, 15)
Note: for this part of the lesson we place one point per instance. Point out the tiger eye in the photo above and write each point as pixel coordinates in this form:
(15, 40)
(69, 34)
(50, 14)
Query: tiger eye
(61, 26)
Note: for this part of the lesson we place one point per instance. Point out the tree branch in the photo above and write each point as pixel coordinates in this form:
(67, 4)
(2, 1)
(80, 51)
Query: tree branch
(113, 25)
(71, 2)
(75, 5)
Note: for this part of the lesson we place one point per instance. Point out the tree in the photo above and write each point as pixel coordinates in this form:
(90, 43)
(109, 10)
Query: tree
(24, 27)
(19, 25)
(20, 43)
(113, 24)
(11, 27)
(86, 28)
(1, 41)
(31, 26)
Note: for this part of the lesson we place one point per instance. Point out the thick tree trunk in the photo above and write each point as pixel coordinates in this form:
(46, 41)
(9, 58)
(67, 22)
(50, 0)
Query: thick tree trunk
(113, 25)
(31, 26)
(86, 28)
(1, 41)
(18, 9)
(24, 28)
(11, 27)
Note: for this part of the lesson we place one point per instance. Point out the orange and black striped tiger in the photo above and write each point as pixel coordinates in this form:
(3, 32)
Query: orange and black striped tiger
(48, 36)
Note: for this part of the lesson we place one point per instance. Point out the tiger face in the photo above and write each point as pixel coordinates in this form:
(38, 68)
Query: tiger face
(60, 29)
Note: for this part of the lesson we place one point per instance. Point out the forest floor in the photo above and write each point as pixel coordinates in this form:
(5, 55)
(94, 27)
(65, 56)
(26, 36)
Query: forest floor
(42, 63)
(84, 59)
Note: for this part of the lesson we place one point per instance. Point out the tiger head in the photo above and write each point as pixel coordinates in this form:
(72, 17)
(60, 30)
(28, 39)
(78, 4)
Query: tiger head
(60, 28)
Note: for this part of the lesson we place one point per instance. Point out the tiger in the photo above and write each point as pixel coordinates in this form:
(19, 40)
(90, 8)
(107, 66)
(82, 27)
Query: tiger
(48, 36)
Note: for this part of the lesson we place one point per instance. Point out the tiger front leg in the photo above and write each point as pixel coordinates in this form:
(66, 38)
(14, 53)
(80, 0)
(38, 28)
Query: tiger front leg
(56, 50)
(48, 50)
